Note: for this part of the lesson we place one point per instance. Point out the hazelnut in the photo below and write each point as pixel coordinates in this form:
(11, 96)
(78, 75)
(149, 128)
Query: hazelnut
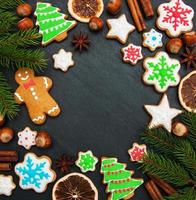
(95, 24)
(25, 24)
(190, 38)
(179, 129)
(24, 10)
(174, 45)
(43, 139)
(6, 135)
(114, 6)
(2, 120)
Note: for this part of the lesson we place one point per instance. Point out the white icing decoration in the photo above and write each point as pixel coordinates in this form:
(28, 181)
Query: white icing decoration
(63, 60)
(152, 39)
(26, 138)
(46, 82)
(6, 185)
(18, 96)
(120, 28)
(53, 109)
(162, 114)
(38, 118)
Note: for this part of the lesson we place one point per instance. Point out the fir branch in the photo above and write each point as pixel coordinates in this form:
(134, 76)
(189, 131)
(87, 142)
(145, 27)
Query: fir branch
(11, 56)
(186, 194)
(8, 105)
(10, 4)
(166, 169)
(185, 153)
(7, 21)
(21, 38)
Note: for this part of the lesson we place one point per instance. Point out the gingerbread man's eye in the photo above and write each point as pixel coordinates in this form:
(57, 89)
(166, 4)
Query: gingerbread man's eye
(19, 75)
(26, 72)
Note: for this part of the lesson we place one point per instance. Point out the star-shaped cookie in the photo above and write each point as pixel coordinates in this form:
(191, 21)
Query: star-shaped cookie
(63, 60)
(119, 29)
(6, 185)
(162, 114)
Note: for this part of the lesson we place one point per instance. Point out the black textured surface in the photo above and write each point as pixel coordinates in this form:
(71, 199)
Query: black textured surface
(101, 99)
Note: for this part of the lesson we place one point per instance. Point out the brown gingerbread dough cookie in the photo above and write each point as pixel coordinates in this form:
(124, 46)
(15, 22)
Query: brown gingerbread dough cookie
(33, 91)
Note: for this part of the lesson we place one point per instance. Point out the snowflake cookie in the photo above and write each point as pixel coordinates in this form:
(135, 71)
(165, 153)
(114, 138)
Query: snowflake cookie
(27, 138)
(63, 60)
(132, 54)
(6, 185)
(161, 71)
(162, 114)
(35, 172)
(175, 17)
(119, 29)
(152, 39)
(137, 152)
(86, 161)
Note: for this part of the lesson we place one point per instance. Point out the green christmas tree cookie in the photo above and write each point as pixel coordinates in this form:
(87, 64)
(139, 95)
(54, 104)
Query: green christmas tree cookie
(161, 71)
(120, 183)
(86, 161)
(52, 23)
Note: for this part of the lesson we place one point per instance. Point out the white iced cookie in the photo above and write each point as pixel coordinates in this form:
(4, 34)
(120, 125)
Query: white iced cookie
(63, 60)
(175, 17)
(152, 39)
(35, 172)
(26, 138)
(6, 185)
(162, 114)
(119, 29)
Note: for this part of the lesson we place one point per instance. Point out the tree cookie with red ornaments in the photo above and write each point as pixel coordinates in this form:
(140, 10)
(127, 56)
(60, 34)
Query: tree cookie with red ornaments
(33, 91)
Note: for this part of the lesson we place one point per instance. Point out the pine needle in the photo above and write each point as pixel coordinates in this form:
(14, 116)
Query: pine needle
(10, 4)
(8, 106)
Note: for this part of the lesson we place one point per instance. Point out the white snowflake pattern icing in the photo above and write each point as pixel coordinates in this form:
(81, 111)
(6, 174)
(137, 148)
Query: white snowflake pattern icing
(35, 172)
(152, 39)
(6, 185)
(27, 138)
(120, 28)
(63, 60)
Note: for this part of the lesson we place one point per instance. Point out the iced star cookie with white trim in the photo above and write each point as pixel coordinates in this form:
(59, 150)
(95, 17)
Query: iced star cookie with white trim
(119, 29)
(6, 185)
(152, 39)
(132, 54)
(63, 60)
(175, 18)
(137, 152)
(35, 172)
(161, 71)
(86, 161)
(26, 138)
(162, 114)
(52, 24)
(33, 91)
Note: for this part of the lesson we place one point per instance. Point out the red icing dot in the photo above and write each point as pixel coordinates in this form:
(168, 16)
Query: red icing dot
(26, 138)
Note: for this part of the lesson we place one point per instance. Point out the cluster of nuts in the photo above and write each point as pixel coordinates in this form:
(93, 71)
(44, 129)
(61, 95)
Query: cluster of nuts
(175, 44)
(25, 10)
(113, 7)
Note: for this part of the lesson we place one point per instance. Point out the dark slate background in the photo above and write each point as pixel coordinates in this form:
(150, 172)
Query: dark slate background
(101, 99)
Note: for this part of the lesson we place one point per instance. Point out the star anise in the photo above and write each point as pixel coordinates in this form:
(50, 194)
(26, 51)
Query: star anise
(81, 41)
(189, 58)
(64, 162)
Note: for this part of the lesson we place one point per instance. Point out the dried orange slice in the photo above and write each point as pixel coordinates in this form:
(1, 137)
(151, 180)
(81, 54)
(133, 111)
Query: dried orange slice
(74, 186)
(83, 10)
(187, 92)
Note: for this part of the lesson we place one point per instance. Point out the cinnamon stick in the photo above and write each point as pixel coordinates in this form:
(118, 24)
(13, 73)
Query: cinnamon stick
(147, 7)
(140, 16)
(153, 190)
(168, 189)
(5, 166)
(9, 159)
(8, 153)
(134, 14)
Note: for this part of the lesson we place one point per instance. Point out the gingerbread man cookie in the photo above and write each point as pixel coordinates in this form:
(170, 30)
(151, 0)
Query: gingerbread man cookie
(33, 91)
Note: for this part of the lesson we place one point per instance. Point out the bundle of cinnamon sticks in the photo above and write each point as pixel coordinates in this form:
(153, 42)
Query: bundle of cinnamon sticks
(137, 14)
(6, 160)
(153, 185)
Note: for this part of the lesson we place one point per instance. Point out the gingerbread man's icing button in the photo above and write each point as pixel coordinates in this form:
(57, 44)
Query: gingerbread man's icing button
(27, 138)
